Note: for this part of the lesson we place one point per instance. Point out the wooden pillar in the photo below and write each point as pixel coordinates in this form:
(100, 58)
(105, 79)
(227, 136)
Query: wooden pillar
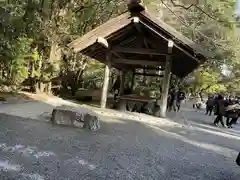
(122, 82)
(106, 80)
(166, 81)
(133, 81)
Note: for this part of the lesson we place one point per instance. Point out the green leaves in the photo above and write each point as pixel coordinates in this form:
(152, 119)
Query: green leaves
(207, 81)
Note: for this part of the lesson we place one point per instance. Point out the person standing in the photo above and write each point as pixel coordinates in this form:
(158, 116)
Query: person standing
(220, 110)
(197, 103)
(180, 97)
(116, 87)
(232, 112)
(172, 100)
(209, 105)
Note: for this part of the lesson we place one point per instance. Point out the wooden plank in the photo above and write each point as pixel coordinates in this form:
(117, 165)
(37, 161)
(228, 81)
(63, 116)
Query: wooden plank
(138, 51)
(136, 99)
(147, 74)
(138, 62)
(153, 68)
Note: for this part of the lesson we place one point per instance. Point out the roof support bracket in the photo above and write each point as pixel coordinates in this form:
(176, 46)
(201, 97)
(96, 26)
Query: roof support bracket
(103, 42)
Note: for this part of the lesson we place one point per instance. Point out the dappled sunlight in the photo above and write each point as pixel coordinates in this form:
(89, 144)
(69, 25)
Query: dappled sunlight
(7, 166)
(199, 122)
(133, 116)
(223, 134)
(230, 153)
(79, 161)
(160, 131)
(50, 100)
(217, 130)
(113, 120)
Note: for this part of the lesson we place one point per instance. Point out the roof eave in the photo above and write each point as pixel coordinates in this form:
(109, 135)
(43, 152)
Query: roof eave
(104, 30)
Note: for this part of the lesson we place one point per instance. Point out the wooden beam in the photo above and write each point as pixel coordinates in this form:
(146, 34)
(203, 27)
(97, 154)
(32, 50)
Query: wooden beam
(138, 62)
(132, 67)
(162, 36)
(122, 82)
(138, 51)
(133, 80)
(138, 27)
(122, 66)
(105, 44)
(127, 41)
(153, 68)
(148, 74)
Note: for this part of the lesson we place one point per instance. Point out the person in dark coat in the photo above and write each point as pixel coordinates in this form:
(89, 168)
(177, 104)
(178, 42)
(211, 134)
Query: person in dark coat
(231, 114)
(116, 87)
(171, 100)
(209, 106)
(220, 110)
(180, 97)
(237, 101)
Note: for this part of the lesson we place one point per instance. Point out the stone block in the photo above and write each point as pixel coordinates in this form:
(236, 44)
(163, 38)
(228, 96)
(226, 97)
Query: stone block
(75, 117)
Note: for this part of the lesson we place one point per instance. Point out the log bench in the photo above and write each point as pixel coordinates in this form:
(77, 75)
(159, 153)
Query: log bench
(135, 103)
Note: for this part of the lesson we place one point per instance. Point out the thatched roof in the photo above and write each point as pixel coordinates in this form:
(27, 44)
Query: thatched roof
(150, 33)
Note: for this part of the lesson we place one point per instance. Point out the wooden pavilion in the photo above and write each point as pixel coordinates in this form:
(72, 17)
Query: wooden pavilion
(136, 39)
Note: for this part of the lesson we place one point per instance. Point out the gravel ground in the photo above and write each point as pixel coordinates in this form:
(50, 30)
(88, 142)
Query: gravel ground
(186, 149)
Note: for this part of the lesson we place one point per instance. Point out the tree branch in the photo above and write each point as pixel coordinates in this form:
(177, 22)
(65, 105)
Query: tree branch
(181, 6)
(204, 89)
(210, 16)
(82, 7)
(197, 7)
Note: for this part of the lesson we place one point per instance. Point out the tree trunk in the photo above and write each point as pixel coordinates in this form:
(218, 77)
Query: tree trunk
(41, 87)
(76, 79)
(9, 75)
(144, 77)
(31, 78)
(36, 87)
(49, 88)
(32, 85)
(74, 89)
(4, 73)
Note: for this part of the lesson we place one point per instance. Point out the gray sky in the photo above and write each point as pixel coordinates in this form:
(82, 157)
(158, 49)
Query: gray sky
(238, 7)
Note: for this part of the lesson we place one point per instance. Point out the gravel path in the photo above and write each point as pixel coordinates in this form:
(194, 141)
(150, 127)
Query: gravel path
(186, 148)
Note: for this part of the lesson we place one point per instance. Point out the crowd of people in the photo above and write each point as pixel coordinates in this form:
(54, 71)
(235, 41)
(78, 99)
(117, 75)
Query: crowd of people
(223, 107)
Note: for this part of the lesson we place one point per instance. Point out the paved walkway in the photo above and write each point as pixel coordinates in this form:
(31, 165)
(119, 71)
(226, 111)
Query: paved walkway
(186, 149)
